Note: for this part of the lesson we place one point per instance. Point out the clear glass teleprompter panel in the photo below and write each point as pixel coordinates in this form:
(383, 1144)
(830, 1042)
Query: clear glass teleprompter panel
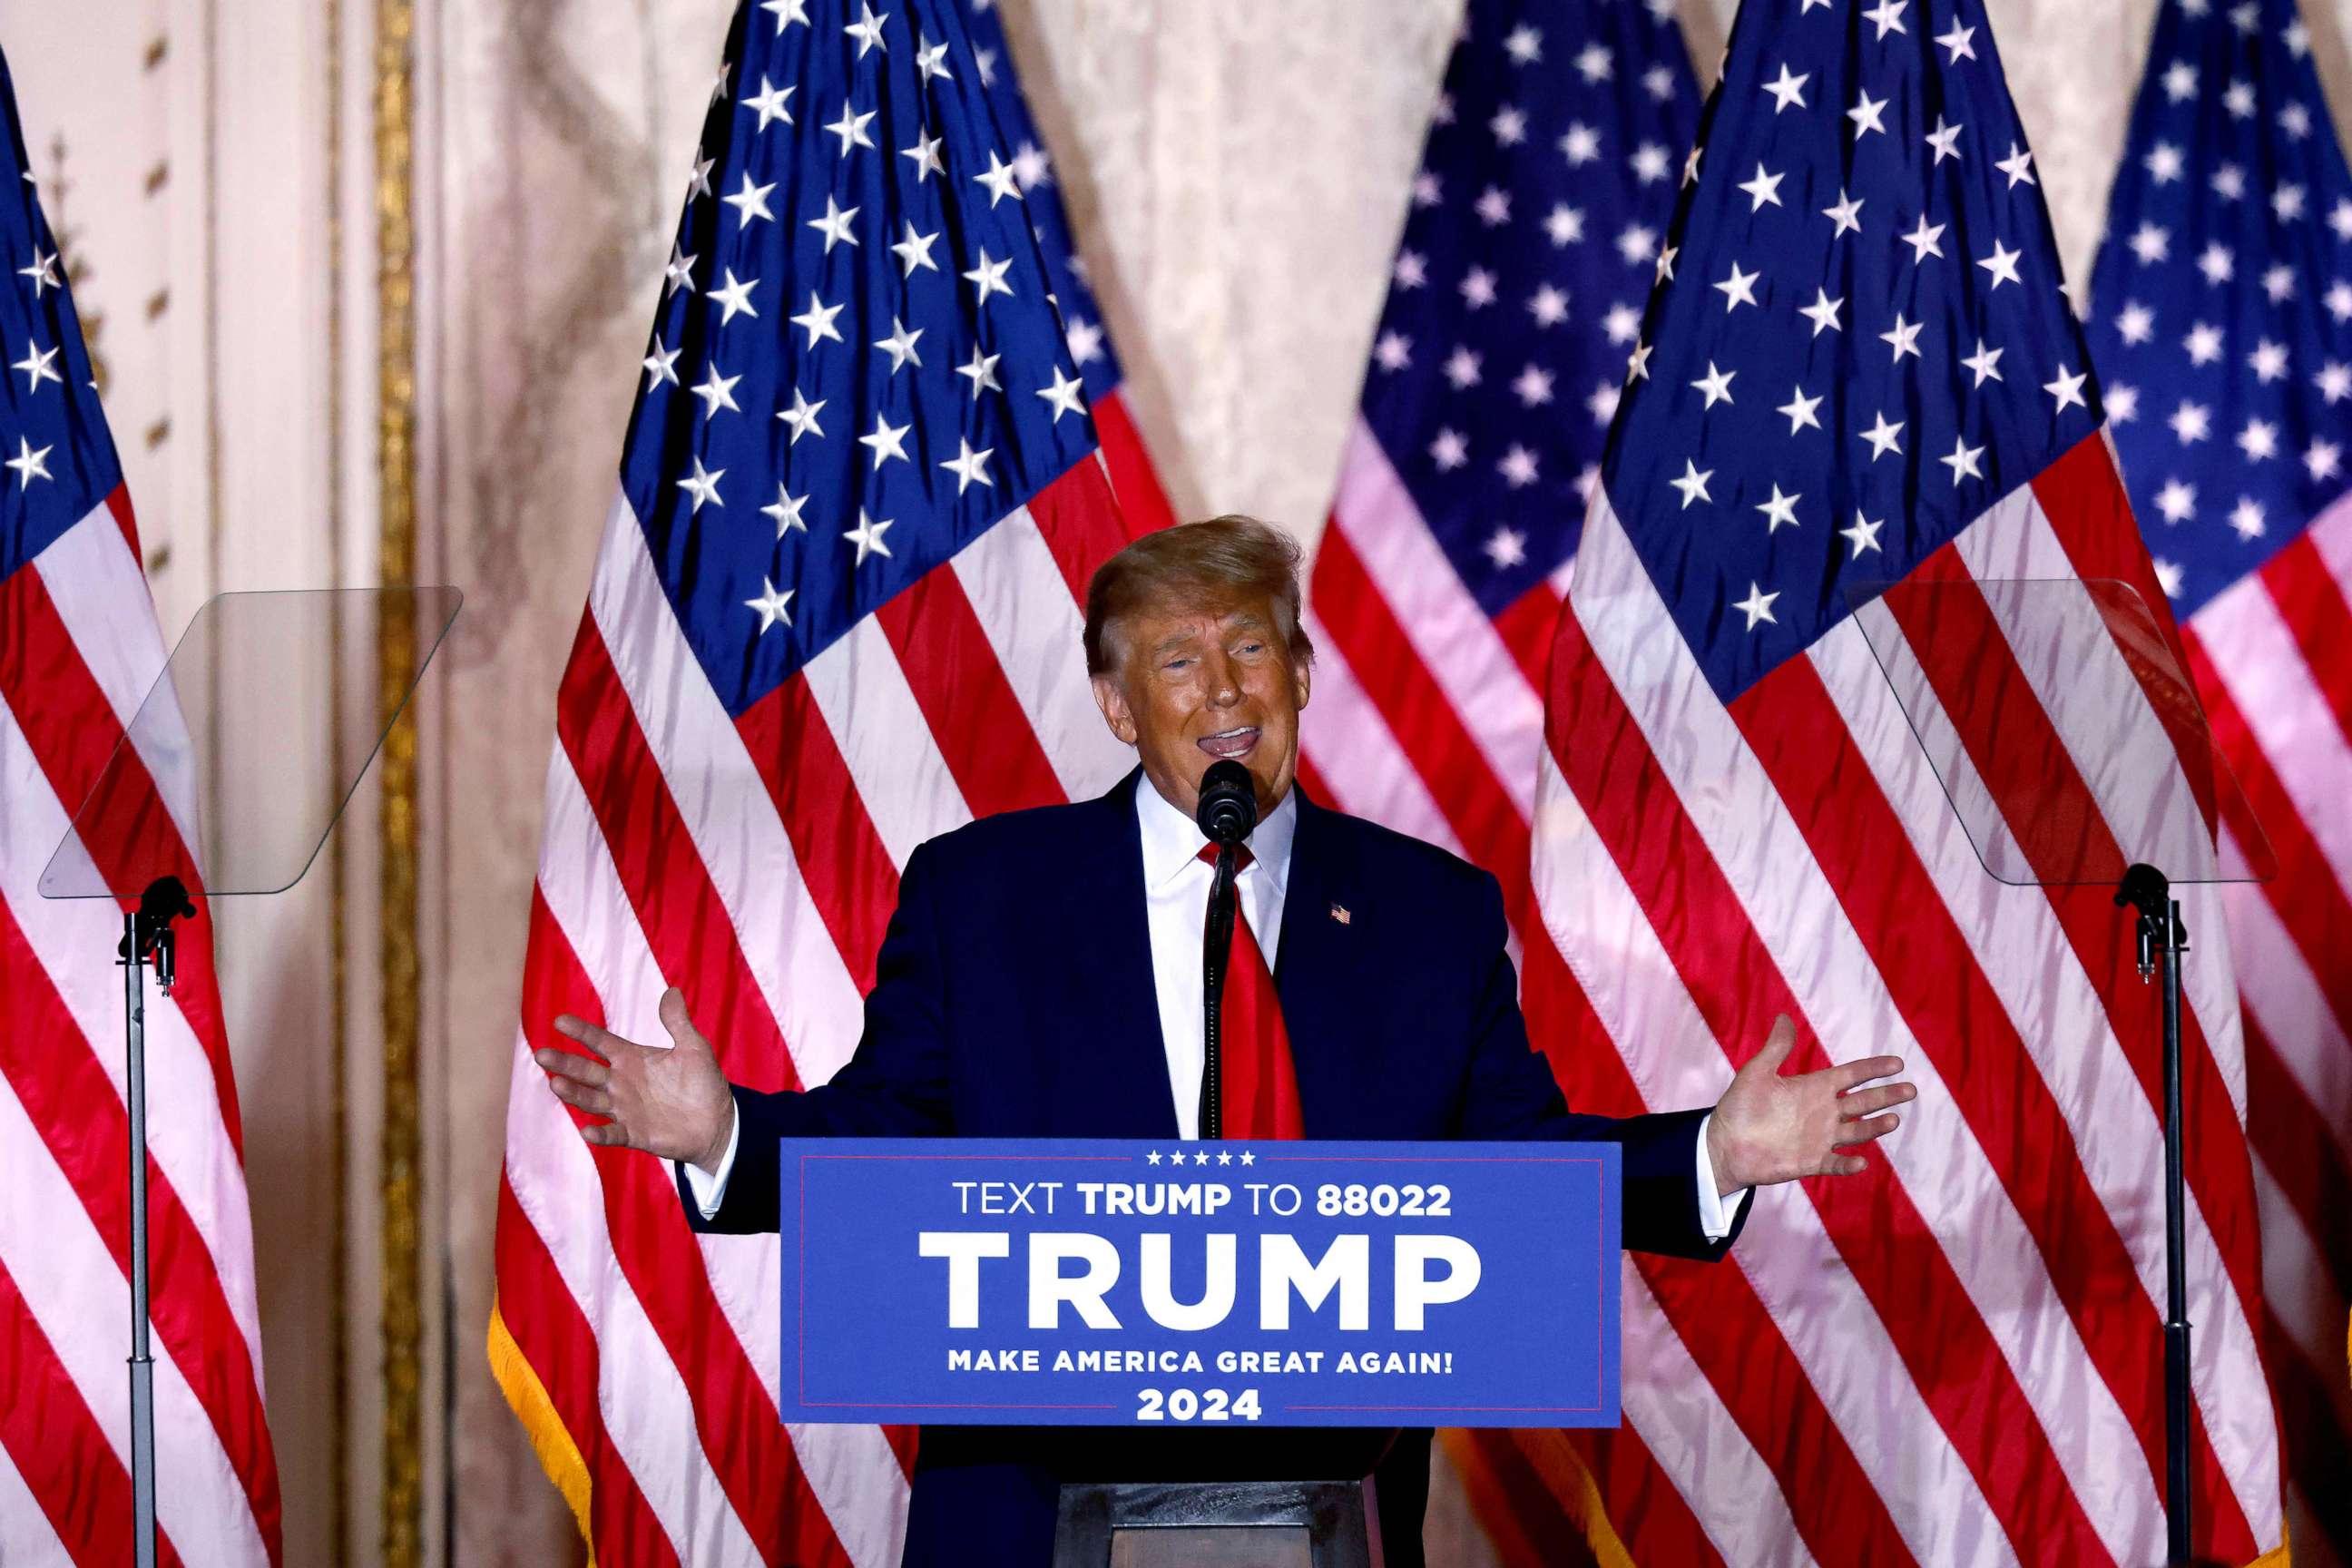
(2064, 729)
(229, 775)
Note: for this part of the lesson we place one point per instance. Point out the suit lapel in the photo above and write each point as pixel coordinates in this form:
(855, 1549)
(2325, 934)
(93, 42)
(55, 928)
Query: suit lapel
(1118, 1054)
(1315, 971)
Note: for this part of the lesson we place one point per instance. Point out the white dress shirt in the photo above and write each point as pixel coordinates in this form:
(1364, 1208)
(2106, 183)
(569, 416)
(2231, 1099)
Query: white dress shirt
(1176, 904)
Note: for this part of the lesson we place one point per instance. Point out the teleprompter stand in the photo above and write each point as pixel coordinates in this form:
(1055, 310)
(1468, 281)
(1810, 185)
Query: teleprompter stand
(227, 782)
(2070, 745)
(1228, 1524)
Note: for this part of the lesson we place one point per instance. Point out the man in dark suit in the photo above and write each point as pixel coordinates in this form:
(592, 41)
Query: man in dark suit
(1042, 978)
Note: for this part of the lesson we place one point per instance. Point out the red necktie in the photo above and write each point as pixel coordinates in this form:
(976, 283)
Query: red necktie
(1260, 1097)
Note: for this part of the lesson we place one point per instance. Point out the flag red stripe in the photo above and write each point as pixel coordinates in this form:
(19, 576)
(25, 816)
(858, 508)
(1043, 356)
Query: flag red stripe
(1526, 1524)
(2311, 602)
(554, 1335)
(2301, 1153)
(975, 719)
(73, 732)
(1526, 627)
(1142, 503)
(1644, 1504)
(849, 875)
(1721, 1321)
(1732, 979)
(1080, 523)
(692, 940)
(58, 1447)
(1952, 1010)
(80, 1117)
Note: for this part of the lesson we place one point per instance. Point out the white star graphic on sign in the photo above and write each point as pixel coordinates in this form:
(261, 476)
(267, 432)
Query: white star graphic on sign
(1863, 535)
(888, 441)
(1868, 115)
(2321, 459)
(1518, 467)
(1064, 395)
(851, 129)
(2151, 243)
(787, 511)
(1846, 214)
(1963, 461)
(773, 603)
(1693, 484)
(1956, 40)
(750, 201)
(43, 274)
(1202, 1158)
(1779, 510)
(1823, 312)
(1525, 44)
(702, 484)
(981, 371)
(2017, 166)
(2229, 182)
(1510, 126)
(801, 417)
(2002, 264)
(867, 31)
(1462, 368)
(1506, 548)
(2217, 263)
(1716, 383)
(786, 12)
(1799, 410)
(2246, 517)
(661, 365)
(1581, 145)
(1739, 288)
(2191, 422)
(915, 250)
(1152, 1158)
(1393, 351)
(717, 392)
(2180, 81)
(1884, 438)
(1922, 240)
(1757, 606)
(1247, 1157)
(1593, 63)
(1788, 92)
(999, 178)
(2334, 381)
(931, 60)
(1904, 338)
(1762, 189)
(835, 224)
(768, 103)
(735, 298)
(1945, 141)
(2258, 440)
(867, 537)
(968, 466)
(2136, 323)
(1565, 225)
(817, 321)
(1533, 386)
(900, 345)
(1449, 451)
(2203, 343)
(2163, 163)
(988, 277)
(926, 154)
(679, 273)
(2268, 361)
(2177, 501)
(1888, 16)
(1549, 306)
(1478, 288)
(2066, 389)
(1985, 362)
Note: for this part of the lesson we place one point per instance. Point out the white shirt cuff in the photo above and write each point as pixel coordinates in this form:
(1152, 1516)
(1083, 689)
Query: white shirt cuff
(711, 1190)
(1714, 1215)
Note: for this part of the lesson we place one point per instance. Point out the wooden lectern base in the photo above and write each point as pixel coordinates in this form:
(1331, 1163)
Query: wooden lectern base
(1217, 1524)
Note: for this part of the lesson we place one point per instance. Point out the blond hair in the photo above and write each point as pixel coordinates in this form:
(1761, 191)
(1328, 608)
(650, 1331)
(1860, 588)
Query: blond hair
(1193, 565)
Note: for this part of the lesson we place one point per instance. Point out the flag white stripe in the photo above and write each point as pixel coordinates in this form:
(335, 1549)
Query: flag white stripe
(2300, 1289)
(1764, 856)
(73, 939)
(1024, 605)
(27, 1536)
(78, 1294)
(1448, 630)
(1830, 1325)
(1357, 754)
(2331, 536)
(894, 759)
(1681, 1419)
(741, 841)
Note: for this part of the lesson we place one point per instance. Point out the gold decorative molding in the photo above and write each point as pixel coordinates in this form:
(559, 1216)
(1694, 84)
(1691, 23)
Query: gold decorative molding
(402, 1173)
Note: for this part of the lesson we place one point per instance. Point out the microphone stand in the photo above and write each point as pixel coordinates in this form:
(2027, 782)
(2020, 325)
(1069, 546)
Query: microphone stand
(1216, 947)
(147, 938)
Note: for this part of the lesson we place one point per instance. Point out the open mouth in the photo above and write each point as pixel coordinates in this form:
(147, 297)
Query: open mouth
(1234, 742)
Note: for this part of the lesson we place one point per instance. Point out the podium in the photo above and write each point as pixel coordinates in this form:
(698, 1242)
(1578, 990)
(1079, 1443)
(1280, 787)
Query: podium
(1217, 1524)
(225, 783)
(2071, 747)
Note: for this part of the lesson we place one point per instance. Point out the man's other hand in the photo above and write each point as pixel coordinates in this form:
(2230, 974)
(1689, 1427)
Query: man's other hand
(1768, 1128)
(670, 1100)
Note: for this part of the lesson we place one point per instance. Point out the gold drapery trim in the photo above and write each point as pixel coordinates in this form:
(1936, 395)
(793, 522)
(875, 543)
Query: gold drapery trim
(403, 1145)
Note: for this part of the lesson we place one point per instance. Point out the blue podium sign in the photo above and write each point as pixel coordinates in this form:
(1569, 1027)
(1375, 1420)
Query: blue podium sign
(1118, 1283)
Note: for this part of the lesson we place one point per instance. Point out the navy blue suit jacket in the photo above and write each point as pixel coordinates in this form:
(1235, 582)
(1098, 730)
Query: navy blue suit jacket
(1013, 997)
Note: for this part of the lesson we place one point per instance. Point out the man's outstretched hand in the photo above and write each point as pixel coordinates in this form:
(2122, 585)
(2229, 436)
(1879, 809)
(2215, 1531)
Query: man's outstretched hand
(670, 1100)
(1769, 1129)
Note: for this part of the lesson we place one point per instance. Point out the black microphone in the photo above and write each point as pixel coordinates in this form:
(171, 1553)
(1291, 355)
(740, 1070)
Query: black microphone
(1228, 809)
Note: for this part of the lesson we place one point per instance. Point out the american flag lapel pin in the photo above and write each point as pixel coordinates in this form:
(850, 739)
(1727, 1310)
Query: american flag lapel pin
(1340, 912)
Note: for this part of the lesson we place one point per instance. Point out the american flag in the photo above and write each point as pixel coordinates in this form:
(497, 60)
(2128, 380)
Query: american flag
(835, 612)
(1858, 367)
(79, 649)
(2222, 321)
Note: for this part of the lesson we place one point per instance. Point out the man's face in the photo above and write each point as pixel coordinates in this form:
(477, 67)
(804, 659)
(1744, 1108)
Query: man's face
(1204, 682)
